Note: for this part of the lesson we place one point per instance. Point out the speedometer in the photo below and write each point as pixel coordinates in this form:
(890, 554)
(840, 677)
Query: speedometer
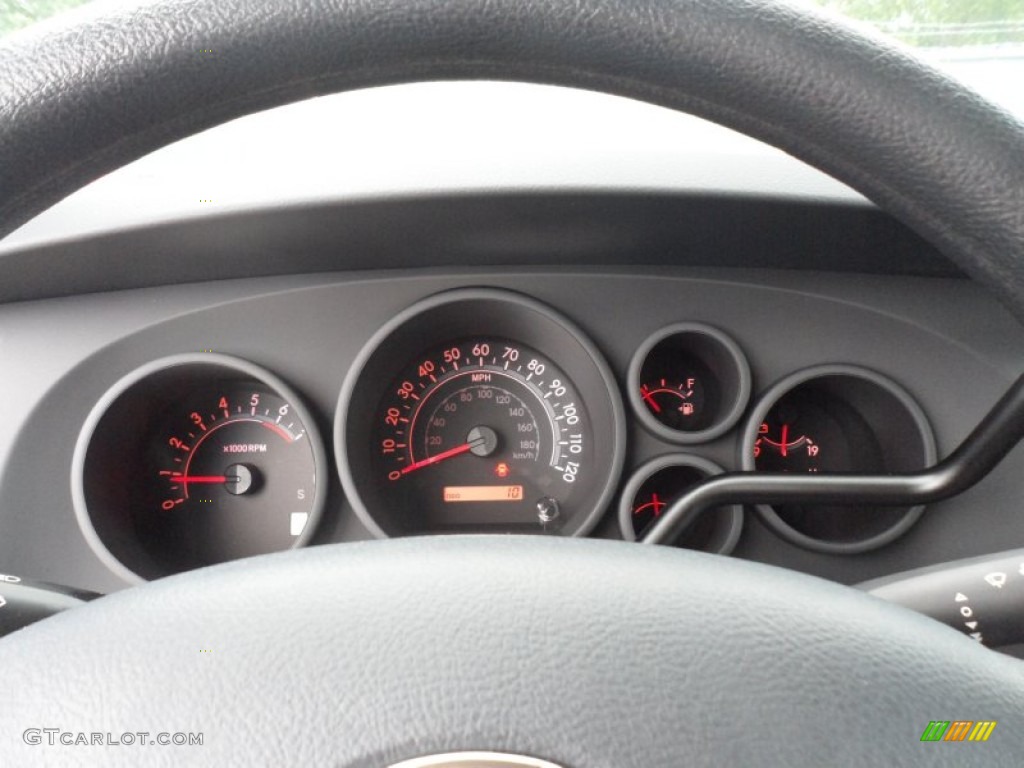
(516, 428)
(484, 432)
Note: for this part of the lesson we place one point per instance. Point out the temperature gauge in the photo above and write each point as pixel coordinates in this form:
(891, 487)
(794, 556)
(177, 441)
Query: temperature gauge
(661, 482)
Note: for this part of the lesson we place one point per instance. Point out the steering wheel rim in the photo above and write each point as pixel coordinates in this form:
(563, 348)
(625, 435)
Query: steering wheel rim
(468, 629)
(921, 146)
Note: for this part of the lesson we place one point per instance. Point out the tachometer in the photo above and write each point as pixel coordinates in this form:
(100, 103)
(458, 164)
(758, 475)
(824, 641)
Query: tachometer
(194, 460)
(236, 474)
(514, 428)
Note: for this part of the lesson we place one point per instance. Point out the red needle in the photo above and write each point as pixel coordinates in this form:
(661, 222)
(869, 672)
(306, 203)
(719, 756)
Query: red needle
(438, 457)
(785, 437)
(202, 479)
(657, 504)
(649, 399)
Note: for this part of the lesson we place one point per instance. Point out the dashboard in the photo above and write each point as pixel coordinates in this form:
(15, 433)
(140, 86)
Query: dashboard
(176, 426)
(220, 391)
(557, 339)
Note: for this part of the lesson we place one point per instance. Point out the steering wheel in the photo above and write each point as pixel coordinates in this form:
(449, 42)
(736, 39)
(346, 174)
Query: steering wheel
(582, 653)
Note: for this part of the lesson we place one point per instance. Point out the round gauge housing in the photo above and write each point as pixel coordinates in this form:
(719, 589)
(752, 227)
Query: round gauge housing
(195, 460)
(479, 410)
(656, 485)
(689, 383)
(840, 419)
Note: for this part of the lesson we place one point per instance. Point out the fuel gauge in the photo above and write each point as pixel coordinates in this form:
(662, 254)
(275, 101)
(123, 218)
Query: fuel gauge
(678, 403)
(689, 383)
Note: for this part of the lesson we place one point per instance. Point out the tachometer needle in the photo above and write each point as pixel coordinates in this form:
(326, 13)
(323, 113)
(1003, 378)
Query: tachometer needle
(464, 448)
(203, 479)
(785, 438)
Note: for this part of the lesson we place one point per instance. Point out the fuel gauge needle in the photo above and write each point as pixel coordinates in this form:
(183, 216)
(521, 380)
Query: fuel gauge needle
(645, 393)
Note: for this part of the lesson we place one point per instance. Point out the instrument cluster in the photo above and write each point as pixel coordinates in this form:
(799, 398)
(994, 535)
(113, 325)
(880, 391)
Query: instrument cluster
(477, 410)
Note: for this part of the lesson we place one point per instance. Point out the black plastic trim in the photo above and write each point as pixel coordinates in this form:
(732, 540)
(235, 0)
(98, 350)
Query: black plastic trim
(514, 229)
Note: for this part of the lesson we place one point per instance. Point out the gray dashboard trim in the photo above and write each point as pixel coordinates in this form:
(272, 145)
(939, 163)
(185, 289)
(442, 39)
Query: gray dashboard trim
(947, 341)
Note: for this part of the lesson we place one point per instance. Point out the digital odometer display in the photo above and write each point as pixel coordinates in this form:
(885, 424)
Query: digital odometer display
(483, 432)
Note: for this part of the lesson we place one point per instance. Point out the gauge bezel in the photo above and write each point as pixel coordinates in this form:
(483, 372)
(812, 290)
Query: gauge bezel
(788, 383)
(107, 404)
(470, 313)
(726, 537)
(735, 383)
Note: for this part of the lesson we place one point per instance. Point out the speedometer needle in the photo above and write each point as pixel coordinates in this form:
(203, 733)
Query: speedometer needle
(464, 448)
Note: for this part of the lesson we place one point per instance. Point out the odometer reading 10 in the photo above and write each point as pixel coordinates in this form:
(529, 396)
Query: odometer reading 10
(466, 422)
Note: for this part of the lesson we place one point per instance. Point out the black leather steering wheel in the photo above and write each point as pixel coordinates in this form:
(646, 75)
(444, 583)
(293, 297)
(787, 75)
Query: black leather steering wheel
(584, 653)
